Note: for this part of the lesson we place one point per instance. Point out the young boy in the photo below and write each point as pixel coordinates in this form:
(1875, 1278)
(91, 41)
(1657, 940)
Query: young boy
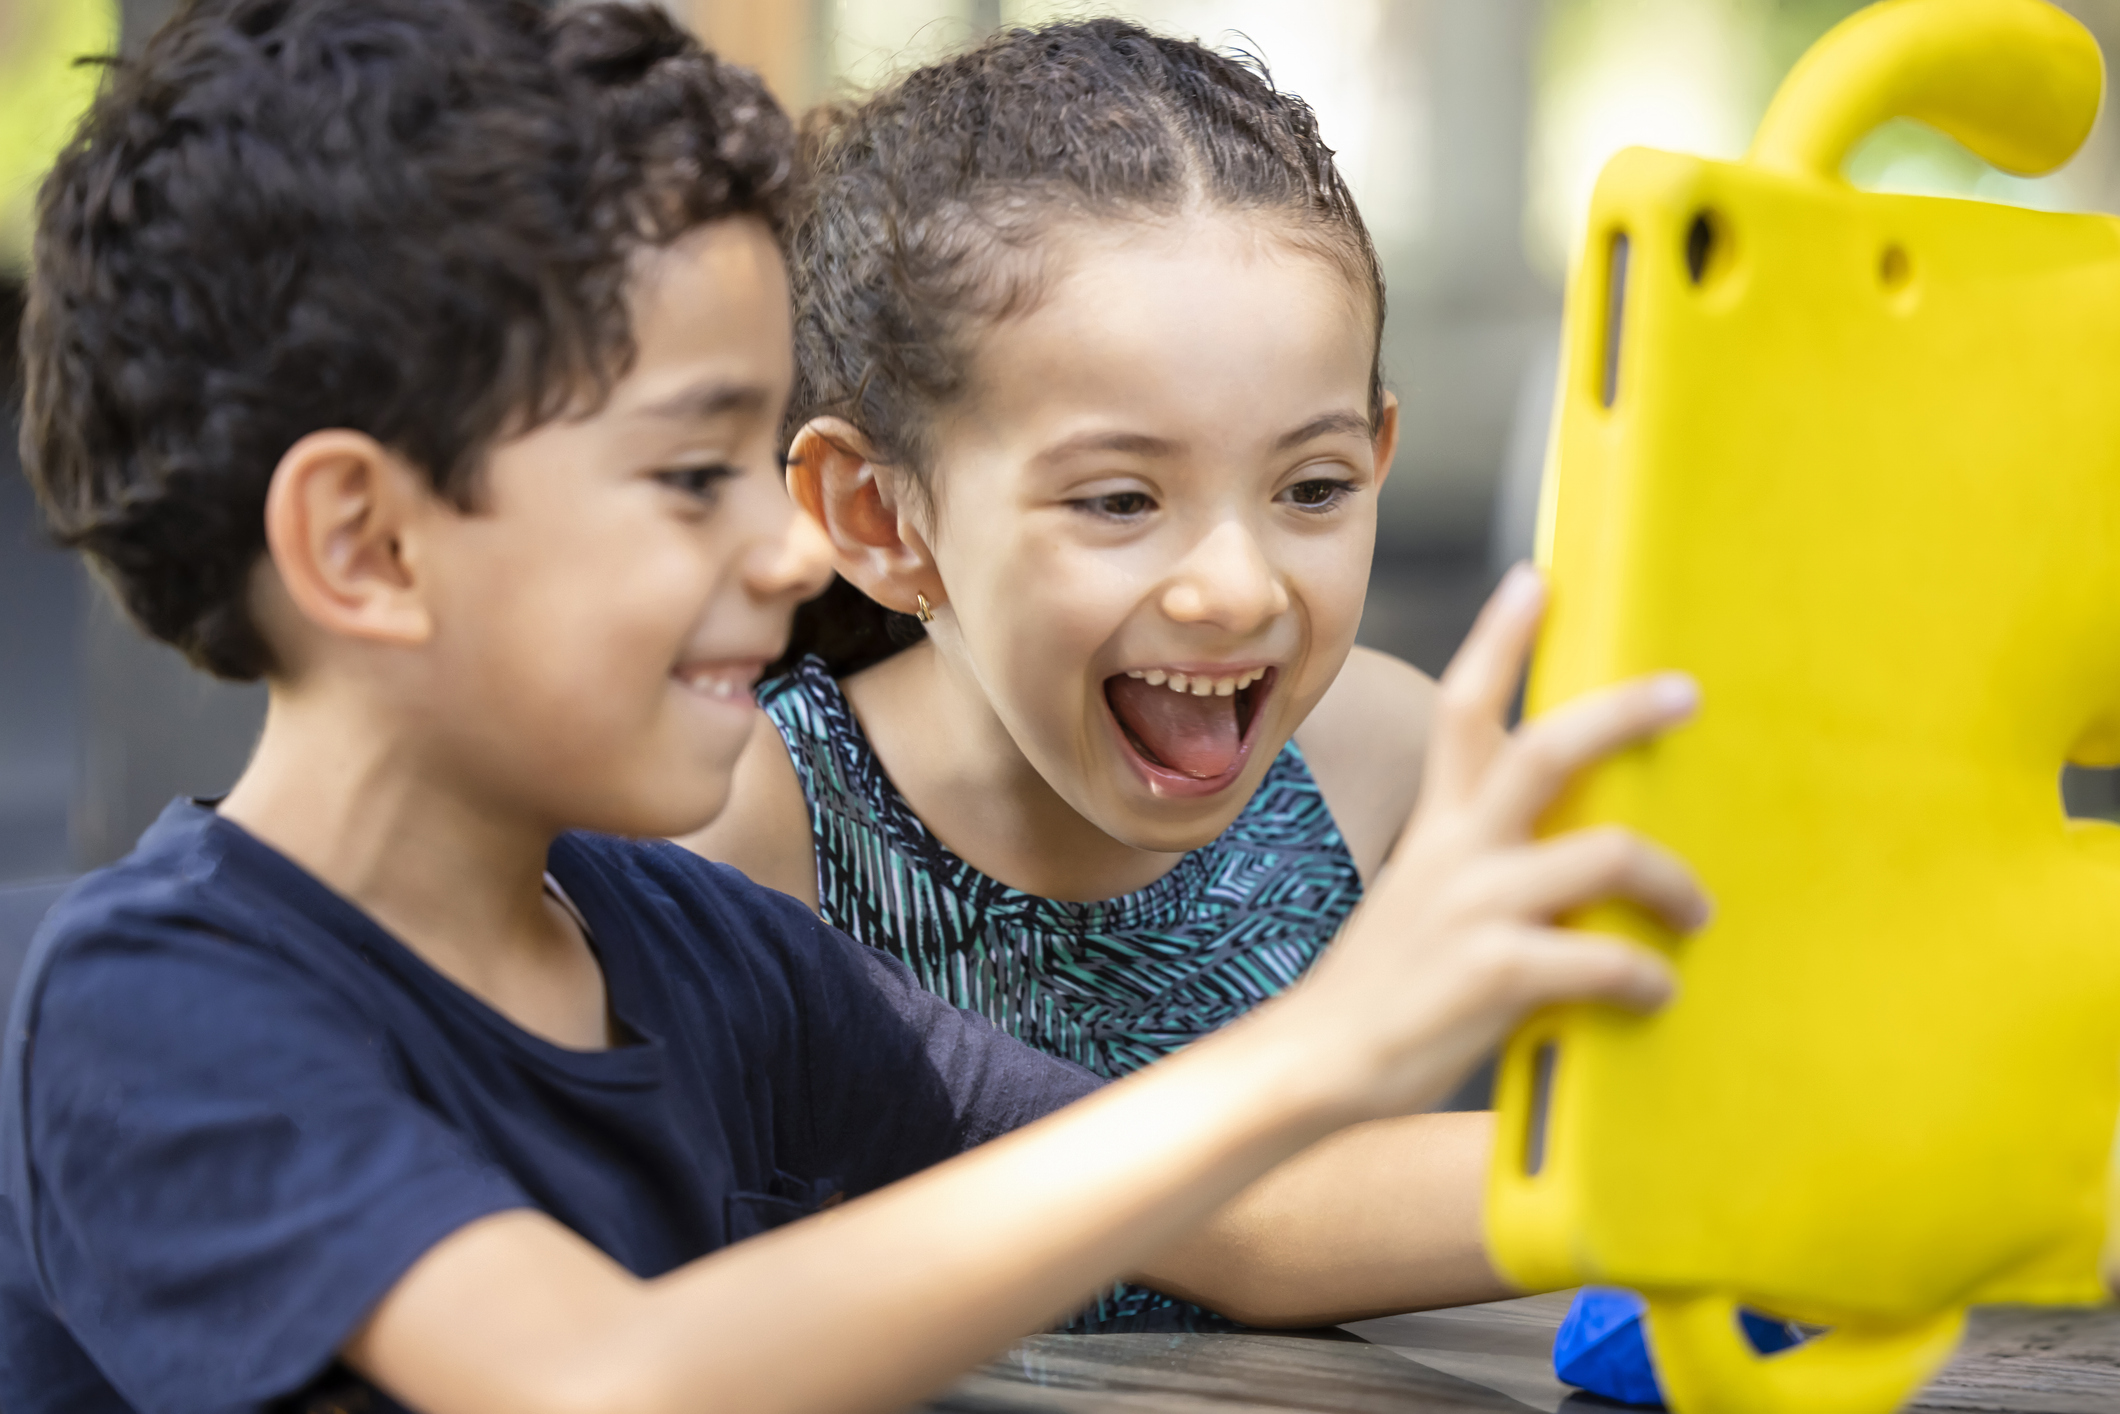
(426, 358)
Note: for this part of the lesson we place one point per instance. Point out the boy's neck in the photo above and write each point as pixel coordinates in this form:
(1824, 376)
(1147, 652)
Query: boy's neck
(963, 774)
(459, 881)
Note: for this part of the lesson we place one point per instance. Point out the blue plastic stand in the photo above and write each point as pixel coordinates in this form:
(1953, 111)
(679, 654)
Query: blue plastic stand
(1601, 1347)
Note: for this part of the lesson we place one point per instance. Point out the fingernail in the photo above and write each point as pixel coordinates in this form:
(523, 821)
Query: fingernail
(1676, 692)
(1521, 585)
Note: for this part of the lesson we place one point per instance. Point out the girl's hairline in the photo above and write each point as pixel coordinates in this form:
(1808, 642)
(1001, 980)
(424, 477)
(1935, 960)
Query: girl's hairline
(1342, 244)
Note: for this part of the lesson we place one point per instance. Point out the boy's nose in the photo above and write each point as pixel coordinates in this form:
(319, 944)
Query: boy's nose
(1226, 583)
(798, 564)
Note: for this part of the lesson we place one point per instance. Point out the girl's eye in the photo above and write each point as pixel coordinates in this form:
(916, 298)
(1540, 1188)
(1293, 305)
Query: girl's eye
(698, 482)
(1318, 494)
(1120, 505)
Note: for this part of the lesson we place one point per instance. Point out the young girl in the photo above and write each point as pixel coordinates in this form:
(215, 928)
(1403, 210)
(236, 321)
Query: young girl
(1089, 403)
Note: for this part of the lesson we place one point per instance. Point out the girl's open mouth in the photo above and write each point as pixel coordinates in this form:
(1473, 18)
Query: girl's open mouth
(1183, 741)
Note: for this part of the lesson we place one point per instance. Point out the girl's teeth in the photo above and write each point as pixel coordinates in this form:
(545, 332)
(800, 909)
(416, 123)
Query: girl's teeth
(1200, 685)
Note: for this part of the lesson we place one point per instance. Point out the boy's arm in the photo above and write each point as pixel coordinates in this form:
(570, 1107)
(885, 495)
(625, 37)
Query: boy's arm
(871, 1305)
(910, 1285)
(1380, 1218)
(764, 829)
(1365, 743)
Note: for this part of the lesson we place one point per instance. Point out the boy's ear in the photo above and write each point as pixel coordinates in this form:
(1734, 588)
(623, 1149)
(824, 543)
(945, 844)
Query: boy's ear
(337, 518)
(876, 545)
(1386, 440)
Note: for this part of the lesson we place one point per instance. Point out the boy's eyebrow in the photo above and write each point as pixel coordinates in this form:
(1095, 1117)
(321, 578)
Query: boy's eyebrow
(705, 400)
(1138, 444)
(1332, 424)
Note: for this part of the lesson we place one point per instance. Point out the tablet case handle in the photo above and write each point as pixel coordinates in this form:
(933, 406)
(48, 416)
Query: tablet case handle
(2017, 81)
(1707, 1366)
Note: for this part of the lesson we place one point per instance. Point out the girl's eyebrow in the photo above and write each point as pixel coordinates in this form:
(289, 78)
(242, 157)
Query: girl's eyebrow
(1332, 424)
(1140, 444)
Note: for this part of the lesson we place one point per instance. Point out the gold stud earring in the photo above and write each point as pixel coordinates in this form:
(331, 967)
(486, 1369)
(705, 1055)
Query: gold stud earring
(925, 614)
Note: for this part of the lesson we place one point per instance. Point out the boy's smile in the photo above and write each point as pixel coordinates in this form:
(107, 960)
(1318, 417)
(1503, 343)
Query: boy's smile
(721, 681)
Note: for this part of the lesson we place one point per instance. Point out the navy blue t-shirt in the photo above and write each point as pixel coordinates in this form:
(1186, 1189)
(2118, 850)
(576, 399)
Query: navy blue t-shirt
(235, 1110)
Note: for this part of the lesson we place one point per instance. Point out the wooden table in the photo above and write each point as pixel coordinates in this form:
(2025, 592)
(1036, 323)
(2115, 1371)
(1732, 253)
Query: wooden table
(1491, 1358)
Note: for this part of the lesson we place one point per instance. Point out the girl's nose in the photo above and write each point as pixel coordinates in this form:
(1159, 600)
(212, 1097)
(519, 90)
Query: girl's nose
(1226, 583)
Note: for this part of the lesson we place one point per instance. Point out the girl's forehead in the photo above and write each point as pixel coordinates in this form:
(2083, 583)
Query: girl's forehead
(1165, 349)
(1231, 241)
(1202, 297)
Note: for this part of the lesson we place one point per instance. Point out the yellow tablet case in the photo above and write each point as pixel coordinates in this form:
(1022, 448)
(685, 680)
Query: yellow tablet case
(1853, 460)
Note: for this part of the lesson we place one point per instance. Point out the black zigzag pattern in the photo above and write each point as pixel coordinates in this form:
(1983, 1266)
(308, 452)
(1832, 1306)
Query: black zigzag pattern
(1111, 985)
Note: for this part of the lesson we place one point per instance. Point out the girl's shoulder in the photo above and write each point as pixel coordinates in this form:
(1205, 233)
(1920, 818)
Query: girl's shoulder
(1365, 742)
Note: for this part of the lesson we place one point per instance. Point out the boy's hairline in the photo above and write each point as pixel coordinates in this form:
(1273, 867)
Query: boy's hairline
(591, 399)
(535, 341)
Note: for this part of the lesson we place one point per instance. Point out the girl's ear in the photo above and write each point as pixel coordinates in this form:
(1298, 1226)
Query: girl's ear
(339, 516)
(876, 547)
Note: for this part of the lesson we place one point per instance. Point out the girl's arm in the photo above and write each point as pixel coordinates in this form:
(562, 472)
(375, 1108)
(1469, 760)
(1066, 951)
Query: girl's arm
(764, 829)
(879, 1302)
(1365, 742)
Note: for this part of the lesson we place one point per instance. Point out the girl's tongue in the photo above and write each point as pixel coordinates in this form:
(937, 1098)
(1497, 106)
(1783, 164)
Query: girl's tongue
(1194, 736)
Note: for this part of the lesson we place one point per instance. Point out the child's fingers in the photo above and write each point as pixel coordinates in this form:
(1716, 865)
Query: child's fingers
(1545, 880)
(1481, 681)
(1542, 756)
(1551, 965)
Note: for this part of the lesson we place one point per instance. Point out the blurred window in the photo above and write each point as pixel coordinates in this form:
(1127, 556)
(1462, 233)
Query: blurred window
(1696, 75)
(42, 92)
(1342, 56)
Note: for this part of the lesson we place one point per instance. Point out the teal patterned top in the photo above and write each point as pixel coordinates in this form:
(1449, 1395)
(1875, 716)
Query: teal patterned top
(1111, 985)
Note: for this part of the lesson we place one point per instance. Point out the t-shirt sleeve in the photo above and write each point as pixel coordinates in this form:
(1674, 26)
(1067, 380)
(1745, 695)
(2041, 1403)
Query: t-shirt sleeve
(897, 1079)
(224, 1174)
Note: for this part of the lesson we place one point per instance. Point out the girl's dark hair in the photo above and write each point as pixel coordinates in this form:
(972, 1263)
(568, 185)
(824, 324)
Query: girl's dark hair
(930, 198)
(413, 218)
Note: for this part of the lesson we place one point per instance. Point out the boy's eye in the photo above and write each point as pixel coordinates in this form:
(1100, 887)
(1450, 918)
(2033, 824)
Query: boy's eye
(1120, 505)
(1318, 494)
(698, 482)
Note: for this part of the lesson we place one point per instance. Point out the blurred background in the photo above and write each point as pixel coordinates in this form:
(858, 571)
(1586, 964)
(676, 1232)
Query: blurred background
(1471, 131)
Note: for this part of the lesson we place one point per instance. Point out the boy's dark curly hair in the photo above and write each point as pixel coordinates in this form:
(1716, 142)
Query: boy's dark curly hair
(412, 218)
(930, 199)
